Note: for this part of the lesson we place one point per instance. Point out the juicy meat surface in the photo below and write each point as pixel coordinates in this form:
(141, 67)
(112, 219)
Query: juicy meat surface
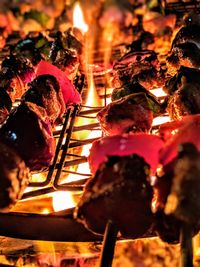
(120, 191)
(129, 114)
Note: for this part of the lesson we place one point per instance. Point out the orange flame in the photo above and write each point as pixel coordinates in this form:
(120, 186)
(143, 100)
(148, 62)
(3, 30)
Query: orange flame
(78, 19)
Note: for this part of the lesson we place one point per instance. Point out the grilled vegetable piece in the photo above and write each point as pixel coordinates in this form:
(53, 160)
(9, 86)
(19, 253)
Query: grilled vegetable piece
(14, 177)
(70, 94)
(120, 191)
(183, 89)
(45, 92)
(186, 45)
(5, 105)
(144, 145)
(129, 114)
(36, 145)
(140, 66)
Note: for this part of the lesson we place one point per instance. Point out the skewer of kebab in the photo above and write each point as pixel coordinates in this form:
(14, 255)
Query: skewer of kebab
(185, 49)
(183, 93)
(132, 110)
(175, 175)
(182, 201)
(119, 195)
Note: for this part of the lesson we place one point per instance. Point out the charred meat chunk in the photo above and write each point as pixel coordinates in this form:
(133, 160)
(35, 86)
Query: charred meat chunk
(129, 114)
(185, 48)
(29, 132)
(184, 91)
(135, 87)
(120, 191)
(45, 92)
(14, 177)
(140, 66)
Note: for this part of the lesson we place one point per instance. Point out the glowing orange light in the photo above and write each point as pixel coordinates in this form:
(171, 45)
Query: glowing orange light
(62, 200)
(78, 19)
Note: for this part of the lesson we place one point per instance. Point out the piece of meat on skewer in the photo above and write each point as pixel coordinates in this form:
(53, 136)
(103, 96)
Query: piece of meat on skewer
(185, 48)
(183, 198)
(131, 113)
(29, 132)
(183, 89)
(168, 225)
(120, 191)
(45, 92)
(140, 66)
(14, 177)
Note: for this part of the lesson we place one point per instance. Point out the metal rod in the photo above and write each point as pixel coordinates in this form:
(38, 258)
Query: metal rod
(186, 259)
(64, 150)
(109, 241)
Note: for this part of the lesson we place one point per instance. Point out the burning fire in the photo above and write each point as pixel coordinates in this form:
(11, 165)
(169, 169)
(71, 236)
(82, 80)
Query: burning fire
(63, 200)
(78, 19)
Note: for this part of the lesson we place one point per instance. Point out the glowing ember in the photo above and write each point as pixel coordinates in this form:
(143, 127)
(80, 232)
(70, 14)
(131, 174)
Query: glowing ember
(78, 19)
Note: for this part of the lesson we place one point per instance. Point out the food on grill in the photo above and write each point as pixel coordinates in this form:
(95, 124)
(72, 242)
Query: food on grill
(156, 23)
(29, 132)
(144, 145)
(183, 198)
(70, 94)
(66, 51)
(183, 89)
(187, 131)
(131, 113)
(15, 74)
(5, 105)
(135, 87)
(120, 191)
(45, 92)
(14, 177)
(140, 66)
(185, 48)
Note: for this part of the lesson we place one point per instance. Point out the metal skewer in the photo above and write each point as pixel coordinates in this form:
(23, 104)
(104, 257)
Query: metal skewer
(109, 241)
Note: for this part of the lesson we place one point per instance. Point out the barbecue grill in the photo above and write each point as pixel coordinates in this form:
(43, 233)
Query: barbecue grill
(67, 158)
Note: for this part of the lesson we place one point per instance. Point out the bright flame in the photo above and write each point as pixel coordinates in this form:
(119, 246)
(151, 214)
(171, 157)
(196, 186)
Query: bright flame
(63, 200)
(78, 19)
(160, 120)
(158, 92)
